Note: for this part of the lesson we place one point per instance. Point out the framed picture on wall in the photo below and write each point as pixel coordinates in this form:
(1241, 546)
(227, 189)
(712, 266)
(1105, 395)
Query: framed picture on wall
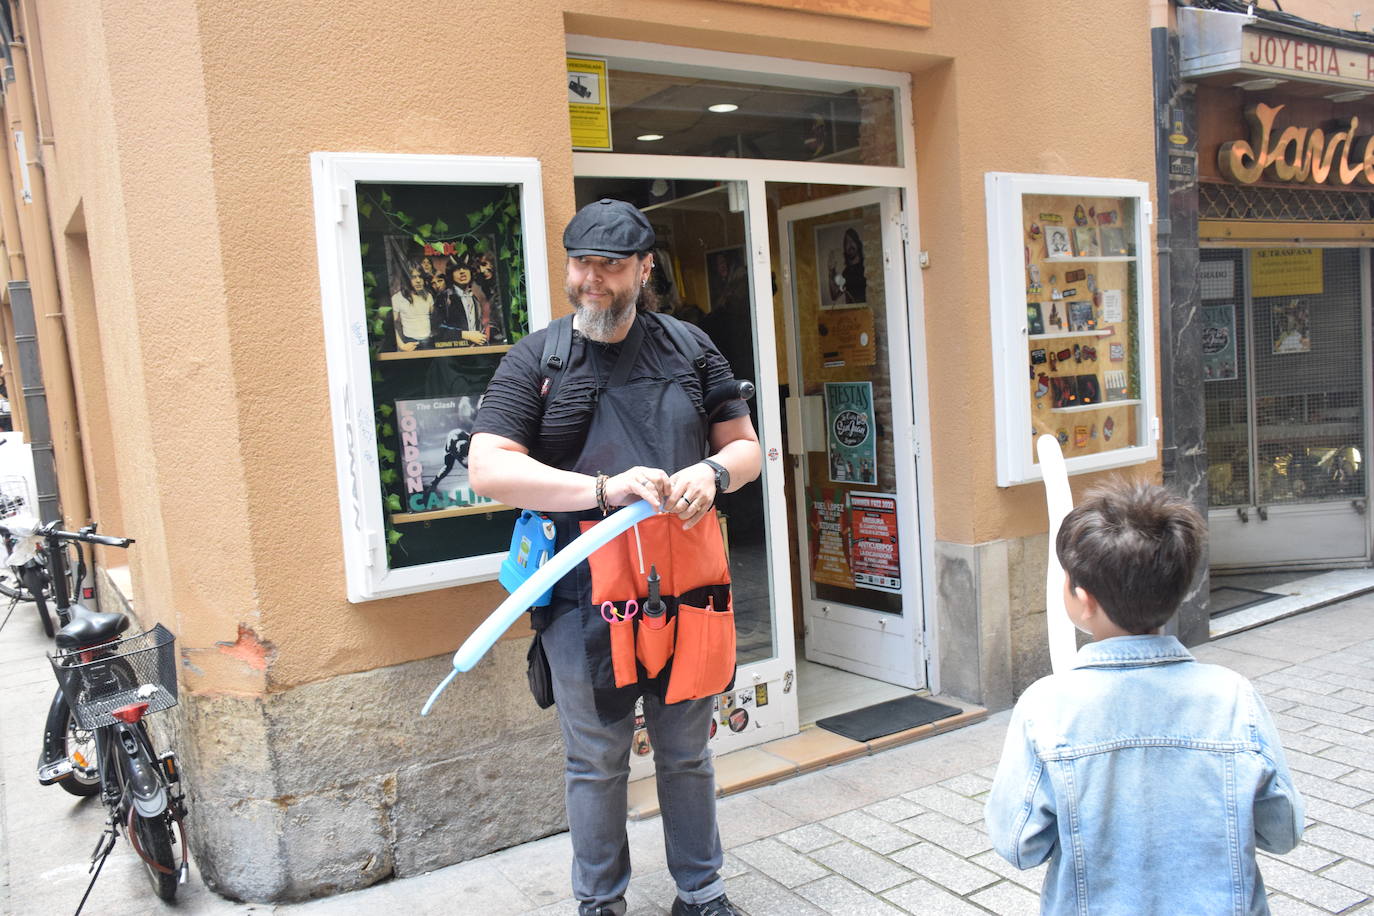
(431, 267)
(727, 279)
(840, 270)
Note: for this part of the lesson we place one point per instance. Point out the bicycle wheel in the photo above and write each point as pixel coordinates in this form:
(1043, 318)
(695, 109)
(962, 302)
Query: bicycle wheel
(77, 744)
(10, 586)
(154, 838)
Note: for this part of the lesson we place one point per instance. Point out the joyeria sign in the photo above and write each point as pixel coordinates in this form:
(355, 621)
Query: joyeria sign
(1300, 154)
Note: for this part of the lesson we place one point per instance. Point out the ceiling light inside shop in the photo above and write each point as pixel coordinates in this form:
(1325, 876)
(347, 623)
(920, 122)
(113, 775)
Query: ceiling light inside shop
(1350, 95)
(723, 107)
(1256, 85)
(649, 138)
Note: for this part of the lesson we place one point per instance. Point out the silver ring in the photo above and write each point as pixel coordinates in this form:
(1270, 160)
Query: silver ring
(684, 499)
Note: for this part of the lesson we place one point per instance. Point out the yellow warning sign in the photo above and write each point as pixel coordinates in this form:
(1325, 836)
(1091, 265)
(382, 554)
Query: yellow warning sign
(1286, 272)
(589, 103)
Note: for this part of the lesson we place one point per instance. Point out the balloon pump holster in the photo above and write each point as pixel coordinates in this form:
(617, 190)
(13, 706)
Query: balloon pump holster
(531, 545)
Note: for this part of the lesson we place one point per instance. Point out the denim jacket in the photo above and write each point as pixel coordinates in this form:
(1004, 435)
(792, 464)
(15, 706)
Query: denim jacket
(1148, 780)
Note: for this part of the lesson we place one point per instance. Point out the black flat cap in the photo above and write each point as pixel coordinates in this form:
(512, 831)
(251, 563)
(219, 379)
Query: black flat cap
(608, 229)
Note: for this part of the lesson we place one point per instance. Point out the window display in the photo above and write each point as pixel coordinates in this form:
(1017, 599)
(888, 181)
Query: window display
(428, 269)
(1068, 324)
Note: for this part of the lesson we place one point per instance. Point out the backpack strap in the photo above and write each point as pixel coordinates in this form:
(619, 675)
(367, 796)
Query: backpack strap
(557, 350)
(685, 344)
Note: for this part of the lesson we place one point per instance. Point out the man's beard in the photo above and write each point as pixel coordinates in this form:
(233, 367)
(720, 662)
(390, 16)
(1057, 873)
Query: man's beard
(602, 324)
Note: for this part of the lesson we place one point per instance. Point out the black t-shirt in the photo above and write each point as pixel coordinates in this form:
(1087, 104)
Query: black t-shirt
(513, 406)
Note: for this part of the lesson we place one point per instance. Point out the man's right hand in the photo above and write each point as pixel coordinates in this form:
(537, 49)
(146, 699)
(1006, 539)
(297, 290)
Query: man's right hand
(635, 484)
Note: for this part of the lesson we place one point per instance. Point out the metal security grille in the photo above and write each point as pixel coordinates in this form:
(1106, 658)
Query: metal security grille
(1298, 204)
(1289, 427)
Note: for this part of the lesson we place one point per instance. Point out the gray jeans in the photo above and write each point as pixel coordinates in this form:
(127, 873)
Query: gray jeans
(598, 769)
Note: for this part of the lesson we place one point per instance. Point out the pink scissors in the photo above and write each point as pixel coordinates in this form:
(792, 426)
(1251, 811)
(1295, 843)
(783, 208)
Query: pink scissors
(611, 615)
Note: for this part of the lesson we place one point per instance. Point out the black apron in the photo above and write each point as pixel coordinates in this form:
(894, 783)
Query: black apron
(650, 422)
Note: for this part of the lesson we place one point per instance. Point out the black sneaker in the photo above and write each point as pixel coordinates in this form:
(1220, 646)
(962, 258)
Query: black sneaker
(719, 907)
(614, 908)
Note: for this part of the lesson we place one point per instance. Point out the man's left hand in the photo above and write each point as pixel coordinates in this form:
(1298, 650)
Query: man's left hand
(691, 494)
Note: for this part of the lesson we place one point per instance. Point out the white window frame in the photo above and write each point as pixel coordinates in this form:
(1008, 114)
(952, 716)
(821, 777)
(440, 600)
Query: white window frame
(1016, 459)
(361, 513)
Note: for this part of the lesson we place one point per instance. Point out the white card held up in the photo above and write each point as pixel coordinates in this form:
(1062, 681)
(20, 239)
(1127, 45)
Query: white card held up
(1059, 500)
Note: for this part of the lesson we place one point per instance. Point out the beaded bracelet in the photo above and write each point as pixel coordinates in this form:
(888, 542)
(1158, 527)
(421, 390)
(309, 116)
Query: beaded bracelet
(601, 494)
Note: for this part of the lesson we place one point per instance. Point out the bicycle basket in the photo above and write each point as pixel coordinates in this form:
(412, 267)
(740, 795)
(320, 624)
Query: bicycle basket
(14, 496)
(136, 669)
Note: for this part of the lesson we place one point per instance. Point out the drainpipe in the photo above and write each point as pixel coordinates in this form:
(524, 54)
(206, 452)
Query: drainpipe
(63, 453)
(14, 256)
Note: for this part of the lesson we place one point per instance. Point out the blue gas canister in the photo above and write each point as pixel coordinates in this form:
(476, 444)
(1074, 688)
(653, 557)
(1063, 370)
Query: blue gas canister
(531, 545)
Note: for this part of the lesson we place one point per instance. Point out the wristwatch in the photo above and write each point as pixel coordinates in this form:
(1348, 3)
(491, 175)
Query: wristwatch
(722, 475)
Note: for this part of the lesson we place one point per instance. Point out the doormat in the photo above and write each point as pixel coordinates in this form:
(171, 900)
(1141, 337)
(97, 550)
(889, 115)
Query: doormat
(1227, 599)
(887, 718)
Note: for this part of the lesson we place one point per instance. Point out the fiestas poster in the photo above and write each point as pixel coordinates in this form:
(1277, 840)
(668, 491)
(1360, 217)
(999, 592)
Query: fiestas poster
(851, 446)
(875, 549)
(828, 520)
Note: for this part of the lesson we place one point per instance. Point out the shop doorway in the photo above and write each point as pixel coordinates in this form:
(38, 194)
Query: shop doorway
(1287, 391)
(804, 291)
(753, 172)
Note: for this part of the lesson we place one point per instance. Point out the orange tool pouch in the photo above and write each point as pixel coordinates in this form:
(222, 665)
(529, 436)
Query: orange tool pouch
(693, 644)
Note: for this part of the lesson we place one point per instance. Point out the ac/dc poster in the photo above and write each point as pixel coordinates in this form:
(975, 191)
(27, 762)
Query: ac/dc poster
(433, 437)
(441, 299)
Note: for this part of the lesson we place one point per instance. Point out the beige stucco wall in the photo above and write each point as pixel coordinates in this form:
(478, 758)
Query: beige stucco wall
(182, 131)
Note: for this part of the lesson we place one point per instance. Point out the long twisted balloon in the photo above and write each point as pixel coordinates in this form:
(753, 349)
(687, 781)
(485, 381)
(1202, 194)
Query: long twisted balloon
(1059, 499)
(558, 566)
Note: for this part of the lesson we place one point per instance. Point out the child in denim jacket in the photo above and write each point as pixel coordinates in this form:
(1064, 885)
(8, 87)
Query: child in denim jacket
(1147, 779)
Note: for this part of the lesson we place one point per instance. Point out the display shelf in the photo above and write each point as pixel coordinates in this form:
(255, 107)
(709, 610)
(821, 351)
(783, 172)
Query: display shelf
(401, 518)
(1100, 405)
(1109, 259)
(1061, 334)
(446, 351)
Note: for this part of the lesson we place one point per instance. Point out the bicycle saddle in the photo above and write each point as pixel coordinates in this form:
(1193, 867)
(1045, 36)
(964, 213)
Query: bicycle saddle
(90, 628)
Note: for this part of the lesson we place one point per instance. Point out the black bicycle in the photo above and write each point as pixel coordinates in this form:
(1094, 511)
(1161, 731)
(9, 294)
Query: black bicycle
(95, 739)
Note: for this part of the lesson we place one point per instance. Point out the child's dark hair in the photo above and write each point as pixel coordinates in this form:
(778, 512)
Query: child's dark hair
(1134, 547)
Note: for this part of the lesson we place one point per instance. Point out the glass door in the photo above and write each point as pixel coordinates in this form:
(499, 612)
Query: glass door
(850, 425)
(1286, 370)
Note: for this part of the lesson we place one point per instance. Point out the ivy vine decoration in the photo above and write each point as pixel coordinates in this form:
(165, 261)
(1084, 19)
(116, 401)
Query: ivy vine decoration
(500, 218)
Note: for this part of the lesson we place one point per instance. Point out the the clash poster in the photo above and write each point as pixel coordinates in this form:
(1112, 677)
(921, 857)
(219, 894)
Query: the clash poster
(433, 435)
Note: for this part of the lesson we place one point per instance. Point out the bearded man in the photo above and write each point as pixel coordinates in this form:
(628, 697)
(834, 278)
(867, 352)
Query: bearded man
(627, 422)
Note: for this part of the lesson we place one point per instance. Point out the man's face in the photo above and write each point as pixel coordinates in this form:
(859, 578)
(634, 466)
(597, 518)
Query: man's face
(437, 283)
(417, 282)
(604, 290)
(485, 268)
(462, 276)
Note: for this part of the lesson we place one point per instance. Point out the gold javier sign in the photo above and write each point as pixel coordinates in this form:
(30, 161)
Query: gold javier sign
(1300, 154)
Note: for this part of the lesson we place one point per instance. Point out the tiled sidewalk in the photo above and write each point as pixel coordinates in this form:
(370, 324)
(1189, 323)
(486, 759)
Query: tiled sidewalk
(902, 832)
